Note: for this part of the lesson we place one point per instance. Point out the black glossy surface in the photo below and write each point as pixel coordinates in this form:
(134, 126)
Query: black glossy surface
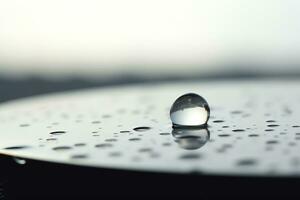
(52, 180)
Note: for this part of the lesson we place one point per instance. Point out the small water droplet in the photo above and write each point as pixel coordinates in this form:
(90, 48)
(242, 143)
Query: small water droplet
(190, 110)
(51, 139)
(124, 131)
(134, 139)
(154, 155)
(221, 150)
(79, 156)
(79, 144)
(224, 135)
(144, 150)
(218, 121)
(238, 130)
(141, 128)
(246, 162)
(226, 146)
(16, 147)
(268, 130)
(272, 125)
(57, 132)
(164, 134)
(24, 125)
(246, 115)
(272, 142)
(166, 144)
(236, 112)
(253, 135)
(103, 145)
(111, 140)
(115, 154)
(61, 148)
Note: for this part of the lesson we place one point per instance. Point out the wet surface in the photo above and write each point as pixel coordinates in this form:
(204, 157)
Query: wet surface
(130, 128)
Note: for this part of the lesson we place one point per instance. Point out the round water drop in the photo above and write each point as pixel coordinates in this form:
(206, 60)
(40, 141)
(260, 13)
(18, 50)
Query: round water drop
(190, 110)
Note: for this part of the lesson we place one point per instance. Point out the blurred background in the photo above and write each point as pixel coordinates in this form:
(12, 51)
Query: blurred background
(55, 45)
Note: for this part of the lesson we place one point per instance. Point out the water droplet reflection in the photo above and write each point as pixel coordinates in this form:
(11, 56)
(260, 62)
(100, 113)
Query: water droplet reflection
(19, 161)
(191, 138)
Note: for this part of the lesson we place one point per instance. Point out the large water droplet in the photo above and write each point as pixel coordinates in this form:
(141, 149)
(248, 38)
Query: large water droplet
(190, 110)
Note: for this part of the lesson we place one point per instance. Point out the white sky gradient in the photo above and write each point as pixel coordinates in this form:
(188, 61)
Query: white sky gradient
(154, 37)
